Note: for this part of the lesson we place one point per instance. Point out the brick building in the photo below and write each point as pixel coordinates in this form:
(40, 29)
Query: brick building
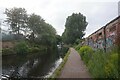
(112, 30)
(105, 37)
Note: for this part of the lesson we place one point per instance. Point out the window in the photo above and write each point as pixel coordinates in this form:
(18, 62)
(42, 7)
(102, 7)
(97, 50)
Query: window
(112, 29)
(100, 34)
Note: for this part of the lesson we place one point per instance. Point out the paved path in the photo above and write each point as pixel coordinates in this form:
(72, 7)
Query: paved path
(74, 67)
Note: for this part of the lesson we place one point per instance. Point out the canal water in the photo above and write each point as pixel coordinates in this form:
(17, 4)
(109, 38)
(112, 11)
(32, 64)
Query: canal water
(35, 65)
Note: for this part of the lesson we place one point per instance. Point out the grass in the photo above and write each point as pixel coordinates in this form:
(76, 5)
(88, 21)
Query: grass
(100, 64)
(57, 72)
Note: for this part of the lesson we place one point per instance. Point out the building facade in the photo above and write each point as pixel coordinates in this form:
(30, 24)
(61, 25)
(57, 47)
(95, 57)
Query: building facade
(106, 37)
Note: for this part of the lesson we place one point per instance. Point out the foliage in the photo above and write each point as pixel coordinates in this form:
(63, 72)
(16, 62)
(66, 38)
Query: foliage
(35, 24)
(7, 51)
(100, 64)
(58, 39)
(42, 32)
(111, 67)
(21, 48)
(74, 28)
(96, 65)
(35, 49)
(86, 53)
(77, 47)
(16, 18)
(77, 41)
(64, 50)
(35, 29)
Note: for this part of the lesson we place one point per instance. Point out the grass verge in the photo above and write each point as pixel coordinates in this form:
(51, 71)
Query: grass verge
(99, 63)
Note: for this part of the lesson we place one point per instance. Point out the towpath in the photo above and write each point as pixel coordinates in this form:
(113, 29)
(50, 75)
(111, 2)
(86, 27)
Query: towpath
(74, 67)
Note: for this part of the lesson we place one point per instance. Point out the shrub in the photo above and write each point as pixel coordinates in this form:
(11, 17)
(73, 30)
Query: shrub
(34, 50)
(7, 51)
(21, 48)
(99, 63)
(111, 68)
(77, 47)
(96, 64)
(86, 53)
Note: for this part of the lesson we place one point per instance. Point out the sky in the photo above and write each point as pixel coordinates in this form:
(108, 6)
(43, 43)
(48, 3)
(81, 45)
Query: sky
(98, 13)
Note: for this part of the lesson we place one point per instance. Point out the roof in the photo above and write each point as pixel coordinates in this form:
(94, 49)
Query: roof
(113, 20)
(105, 25)
(96, 31)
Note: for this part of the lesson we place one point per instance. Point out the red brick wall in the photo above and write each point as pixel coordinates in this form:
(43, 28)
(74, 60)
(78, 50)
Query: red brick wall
(118, 33)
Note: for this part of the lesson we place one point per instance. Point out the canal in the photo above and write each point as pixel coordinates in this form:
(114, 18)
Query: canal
(35, 65)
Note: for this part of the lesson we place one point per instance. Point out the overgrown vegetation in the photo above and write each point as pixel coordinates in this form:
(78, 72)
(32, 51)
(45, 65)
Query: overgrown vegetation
(99, 63)
(8, 51)
(77, 47)
(30, 31)
(86, 53)
(21, 48)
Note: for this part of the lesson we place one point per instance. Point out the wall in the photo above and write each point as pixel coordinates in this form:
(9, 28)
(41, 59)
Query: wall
(111, 34)
(96, 40)
(106, 37)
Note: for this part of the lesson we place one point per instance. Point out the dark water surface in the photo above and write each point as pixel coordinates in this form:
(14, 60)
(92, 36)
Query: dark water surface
(33, 65)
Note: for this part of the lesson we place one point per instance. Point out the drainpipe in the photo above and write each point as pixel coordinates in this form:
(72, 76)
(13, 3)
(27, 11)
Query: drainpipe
(104, 29)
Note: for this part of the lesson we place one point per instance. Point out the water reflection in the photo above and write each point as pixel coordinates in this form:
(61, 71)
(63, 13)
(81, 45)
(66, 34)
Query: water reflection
(34, 65)
(56, 64)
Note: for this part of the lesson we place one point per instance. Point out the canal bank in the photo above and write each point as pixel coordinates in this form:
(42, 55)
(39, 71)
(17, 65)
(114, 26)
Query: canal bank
(57, 72)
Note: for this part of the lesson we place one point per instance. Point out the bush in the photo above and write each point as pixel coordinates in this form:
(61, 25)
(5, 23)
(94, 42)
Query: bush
(34, 50)
(96, 64)
(99, 63)
(21, 48)
(104, 65)
(86, 53)
(111, 67)
(7, 51)
(77, 47)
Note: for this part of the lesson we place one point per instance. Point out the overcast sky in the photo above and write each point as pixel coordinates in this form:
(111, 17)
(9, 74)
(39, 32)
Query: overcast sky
(55, 12)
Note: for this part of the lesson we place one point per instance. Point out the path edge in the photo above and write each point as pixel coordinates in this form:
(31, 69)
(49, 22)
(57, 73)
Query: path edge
(57, 72)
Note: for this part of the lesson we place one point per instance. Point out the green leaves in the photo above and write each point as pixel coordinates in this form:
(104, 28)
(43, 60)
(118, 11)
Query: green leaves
(16, 18)
(35, 23)
(33, 27)
(21, 48)
(86, 53)
(42, 32)
(99, 63)
(74, 28)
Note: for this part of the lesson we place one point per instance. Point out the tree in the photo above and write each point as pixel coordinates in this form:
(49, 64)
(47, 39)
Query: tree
(59, 39)
(45, 33)
(36, 29)
(35, 25)
(17, 19)
(48, 35)
(74, 28)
